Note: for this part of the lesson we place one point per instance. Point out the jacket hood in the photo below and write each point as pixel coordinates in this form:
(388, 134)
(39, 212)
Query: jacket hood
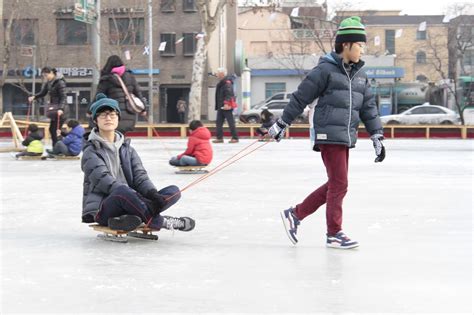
(78, 131)
(36, 135)
(202, 133)
(335, 59)
(93, 138)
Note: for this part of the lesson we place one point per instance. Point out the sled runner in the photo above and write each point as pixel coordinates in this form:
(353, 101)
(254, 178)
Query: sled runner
(192, 169)
(60, 157)
(122, 236)
(44, 157)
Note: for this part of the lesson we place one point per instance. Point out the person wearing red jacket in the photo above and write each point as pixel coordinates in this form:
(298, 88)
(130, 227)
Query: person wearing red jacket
(199, 150)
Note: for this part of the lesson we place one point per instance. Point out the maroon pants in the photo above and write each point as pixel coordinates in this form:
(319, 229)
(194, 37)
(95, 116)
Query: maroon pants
(336, 160)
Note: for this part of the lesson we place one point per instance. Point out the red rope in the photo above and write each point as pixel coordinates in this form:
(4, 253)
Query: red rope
(218, 168)
(162, 142)
(27, 120)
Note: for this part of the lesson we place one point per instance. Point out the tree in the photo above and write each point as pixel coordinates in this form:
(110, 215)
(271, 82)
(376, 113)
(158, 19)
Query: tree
(209, 21)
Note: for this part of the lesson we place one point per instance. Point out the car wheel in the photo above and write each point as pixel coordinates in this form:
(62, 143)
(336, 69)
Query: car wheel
(252, 120)
(393, 122)
(446, 122)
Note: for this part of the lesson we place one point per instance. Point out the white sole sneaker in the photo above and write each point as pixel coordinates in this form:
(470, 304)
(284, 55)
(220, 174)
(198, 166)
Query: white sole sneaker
(338, 246)
(287, 227)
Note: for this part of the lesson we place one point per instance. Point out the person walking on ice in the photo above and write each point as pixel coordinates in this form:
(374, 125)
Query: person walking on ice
(117, 190)
(345, 98)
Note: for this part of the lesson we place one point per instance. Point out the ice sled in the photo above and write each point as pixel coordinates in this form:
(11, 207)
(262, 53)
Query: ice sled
(192, 169)
(45, 157)
(122, 236)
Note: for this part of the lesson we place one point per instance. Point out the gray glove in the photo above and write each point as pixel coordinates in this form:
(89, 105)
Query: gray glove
(378, 146)
(277, 130)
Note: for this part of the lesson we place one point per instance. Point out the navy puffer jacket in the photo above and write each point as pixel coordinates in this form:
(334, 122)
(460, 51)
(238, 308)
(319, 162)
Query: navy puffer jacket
(98, 181)
(345, 98)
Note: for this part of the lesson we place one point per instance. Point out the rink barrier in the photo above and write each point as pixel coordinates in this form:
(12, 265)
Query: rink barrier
(295, 131)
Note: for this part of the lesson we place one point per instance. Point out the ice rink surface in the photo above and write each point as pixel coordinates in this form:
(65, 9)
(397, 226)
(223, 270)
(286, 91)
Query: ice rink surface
(412, 215)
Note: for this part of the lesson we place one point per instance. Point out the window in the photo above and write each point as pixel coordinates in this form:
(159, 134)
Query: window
(23, 31)
(419, 111)
(168, 5)
(189, 44)
(71, 32)
(126, 31)
(468, 58)
(390, 41)
(189, 6)
(434, 110)
(421, 57)
(421, 78)
(170, 39)
(273, 88)
(420, 35)
(277, 105)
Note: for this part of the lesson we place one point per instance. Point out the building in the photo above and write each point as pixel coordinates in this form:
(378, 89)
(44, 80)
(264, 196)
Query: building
(419, 43)
(46, 29)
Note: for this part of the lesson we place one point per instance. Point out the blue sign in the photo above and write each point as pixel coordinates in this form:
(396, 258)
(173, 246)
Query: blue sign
(384, 72)
(145, 71)
(29, 72)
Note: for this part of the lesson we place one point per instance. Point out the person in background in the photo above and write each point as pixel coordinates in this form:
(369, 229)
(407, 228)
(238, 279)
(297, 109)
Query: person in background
(56, 111)
(181, 109)
(70, 143)
(199, 150)
(224, 95)
(33, 144)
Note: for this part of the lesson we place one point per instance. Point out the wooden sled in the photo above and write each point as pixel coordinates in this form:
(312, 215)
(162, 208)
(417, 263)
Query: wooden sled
(61, 157)
(192, 169)
(122, 236)
(28, 157)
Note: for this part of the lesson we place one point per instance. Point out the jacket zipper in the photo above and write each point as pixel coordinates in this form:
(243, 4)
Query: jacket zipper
(350, 102)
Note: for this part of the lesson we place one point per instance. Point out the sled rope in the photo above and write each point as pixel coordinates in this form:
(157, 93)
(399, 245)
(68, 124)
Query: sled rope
(234, 158)
(162, 141)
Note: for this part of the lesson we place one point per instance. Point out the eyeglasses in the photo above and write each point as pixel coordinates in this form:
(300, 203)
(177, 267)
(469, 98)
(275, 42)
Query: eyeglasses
(362, 45)
(110, 114)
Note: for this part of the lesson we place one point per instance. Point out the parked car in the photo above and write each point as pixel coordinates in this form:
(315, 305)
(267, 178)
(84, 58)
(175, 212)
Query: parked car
(423, 114)
(283, 96)
(252, 116)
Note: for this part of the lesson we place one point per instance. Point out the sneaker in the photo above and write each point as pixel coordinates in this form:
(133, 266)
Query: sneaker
(340, 240)
(184, 224)
(124, 223)
(218, 141)
(234, 141)
(291, 222)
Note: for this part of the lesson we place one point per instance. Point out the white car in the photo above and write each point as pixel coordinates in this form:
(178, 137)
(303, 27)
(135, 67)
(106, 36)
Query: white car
(425, 114)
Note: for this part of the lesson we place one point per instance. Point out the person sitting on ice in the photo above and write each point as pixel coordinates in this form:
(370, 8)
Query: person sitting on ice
(117, 190)
(267, 119)
(199, 150)
(70, 142)
(33, 144)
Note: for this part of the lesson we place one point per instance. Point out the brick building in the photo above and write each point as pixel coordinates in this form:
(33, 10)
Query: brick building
(62, 42)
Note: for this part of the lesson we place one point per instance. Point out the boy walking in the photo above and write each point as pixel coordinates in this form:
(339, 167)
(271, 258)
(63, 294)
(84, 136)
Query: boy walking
(345, 98)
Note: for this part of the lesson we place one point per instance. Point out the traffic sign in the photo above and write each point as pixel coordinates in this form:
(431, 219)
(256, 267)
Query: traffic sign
(85, 11)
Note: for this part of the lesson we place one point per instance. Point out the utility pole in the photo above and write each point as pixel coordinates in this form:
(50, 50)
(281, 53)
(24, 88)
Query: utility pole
(95, 39)
(33, 87)
(150, 62)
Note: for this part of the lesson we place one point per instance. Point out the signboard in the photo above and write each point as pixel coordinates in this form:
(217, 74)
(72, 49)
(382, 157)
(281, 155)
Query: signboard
(385, 72)
(85, 11)
(27, 51)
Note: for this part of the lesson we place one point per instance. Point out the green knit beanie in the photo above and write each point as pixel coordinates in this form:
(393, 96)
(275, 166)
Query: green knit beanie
(351, 30)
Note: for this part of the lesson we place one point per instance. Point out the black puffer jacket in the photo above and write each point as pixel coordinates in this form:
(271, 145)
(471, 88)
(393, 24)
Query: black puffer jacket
(110, 86)
(56, 89)
(98, 181)
(344, 100)
(224, 91)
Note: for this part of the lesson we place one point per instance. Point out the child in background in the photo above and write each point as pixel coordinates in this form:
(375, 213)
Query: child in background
(33, 144)
(199, 150)
(70, 143)
(267, 119)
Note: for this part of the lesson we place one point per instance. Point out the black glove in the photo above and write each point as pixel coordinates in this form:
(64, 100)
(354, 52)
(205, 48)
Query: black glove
(378, 146)
(277, 131)
(158, 202)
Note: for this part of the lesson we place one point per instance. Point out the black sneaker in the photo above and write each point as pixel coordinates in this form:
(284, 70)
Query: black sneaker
(125, 222)
(184, 224)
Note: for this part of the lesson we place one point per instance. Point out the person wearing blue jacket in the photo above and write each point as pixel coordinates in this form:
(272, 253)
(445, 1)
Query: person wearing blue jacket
(70, 142)
(117, 190)
(344, 99)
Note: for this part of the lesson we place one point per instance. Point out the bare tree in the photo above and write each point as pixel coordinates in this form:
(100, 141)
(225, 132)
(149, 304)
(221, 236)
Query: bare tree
(460, 37)
(209, 21)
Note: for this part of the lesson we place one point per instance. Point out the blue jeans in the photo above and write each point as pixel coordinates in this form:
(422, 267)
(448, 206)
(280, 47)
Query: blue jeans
(185, 160)
(125, 200)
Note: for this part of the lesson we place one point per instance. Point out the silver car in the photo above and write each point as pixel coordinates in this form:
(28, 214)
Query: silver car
(252, 116)
(425, 114)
